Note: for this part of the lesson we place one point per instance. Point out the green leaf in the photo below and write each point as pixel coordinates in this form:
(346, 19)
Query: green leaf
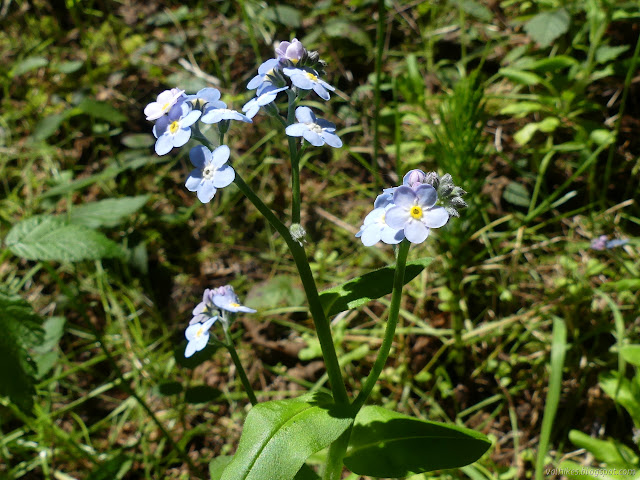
(48, 126)
(520, 109)
(631, 354)
(101, 110)
(166, 389)
(606, 451)
(340, 28)
(28, 64)
(217, 466)
(106, 213)
(622, 391)
(45, 355)
(138, 140)
(360, 290)
(553, 64)
(279, 436)
(606, 53)
(115, 468)
(389, 444)
(21, 330)
(545, 27)
(306, 473)
(284, 14)
(69, 67)
(51, 238)
(475, 9)
(520, 76)
(279, 290)
(525, 134)
(517, 194)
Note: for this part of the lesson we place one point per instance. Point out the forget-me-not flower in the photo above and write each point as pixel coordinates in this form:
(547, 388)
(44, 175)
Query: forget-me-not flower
(217, 114)
(265, 76)
(376, 229)
(292, 51)
(174, 129)
(206, 97)
(163, 103)
(307, 79)
(315, 130)
(226, 299)
(198, 336)
(210, 173)
(267, 96)
(415, 212)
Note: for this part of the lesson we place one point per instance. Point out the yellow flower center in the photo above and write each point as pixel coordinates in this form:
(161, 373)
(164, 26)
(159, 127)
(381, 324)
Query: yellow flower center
(311, 76)
(294, 60)
(200, 332)
(416, 212)
(165, 107)
(234, 304)
(173, 128)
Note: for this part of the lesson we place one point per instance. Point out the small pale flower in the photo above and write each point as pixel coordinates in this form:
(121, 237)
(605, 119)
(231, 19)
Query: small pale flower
(414, 178)
(210, 173)
(375, 229)
(415, 212)
(163, 103)
(307, 79)
(205, 309)
(226, 299)
(198, 336)
(264, 77)
(209, 97)
(267, 96)
(174, 129)
(385, 198)
(315, 130)
(292, 51)
(218, 114)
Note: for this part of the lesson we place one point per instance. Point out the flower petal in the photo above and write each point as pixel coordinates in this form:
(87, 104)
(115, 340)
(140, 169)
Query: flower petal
(200, 156)
(181, 137)
(370, 235)
(391, 236)
(396, 217)
(332, 139)
(206, 191)
(164, 144)
(404, 197)
(220, 156)
(296, 130)
(224, 176)
(190, 350)
(427, 195)
(416, 232)
(193, 180)
(321, 91)
(313, 138)
(305, 115)
(435, 217)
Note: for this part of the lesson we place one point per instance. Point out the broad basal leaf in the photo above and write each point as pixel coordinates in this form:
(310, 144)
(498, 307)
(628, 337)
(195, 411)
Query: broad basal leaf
(545, 27)
(631, 354)
(367, 287)
(106, 213)
(279, 436)
(392, 445)
(21, 330)
(51, 238)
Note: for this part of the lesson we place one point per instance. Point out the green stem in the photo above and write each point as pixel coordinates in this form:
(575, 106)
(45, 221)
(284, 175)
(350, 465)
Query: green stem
(333, 468)
(295, 162)
(392, 322)
(315, 307)
(623, 102)
(239, 367)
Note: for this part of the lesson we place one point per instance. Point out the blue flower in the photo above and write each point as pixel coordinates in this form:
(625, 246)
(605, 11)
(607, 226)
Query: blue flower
(267, 96)
(415, 213)
(163, 103)
(198, 336)
(265, 76)
(602, 243)
(376, 229)
(206, 96)
(315, 130)
(226, 299)
(217, 114)
(174, 129)
(210, 173)
(307, 79)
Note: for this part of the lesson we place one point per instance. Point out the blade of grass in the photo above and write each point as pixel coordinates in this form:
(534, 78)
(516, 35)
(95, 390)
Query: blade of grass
(558, 350)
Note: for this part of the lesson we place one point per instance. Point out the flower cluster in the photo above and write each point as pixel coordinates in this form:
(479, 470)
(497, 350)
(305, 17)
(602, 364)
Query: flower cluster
(299, 71)
(217, 304)
(409, 210)
(603, 243)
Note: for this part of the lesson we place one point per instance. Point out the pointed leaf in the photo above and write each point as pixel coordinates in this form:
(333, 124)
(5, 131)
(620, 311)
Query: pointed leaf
(21, 330)
(389, 444)
(106, 213)
(545, 27)
(279, 436)
(51, 238)
(360, 290)
(631, 354)
(217, 466)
